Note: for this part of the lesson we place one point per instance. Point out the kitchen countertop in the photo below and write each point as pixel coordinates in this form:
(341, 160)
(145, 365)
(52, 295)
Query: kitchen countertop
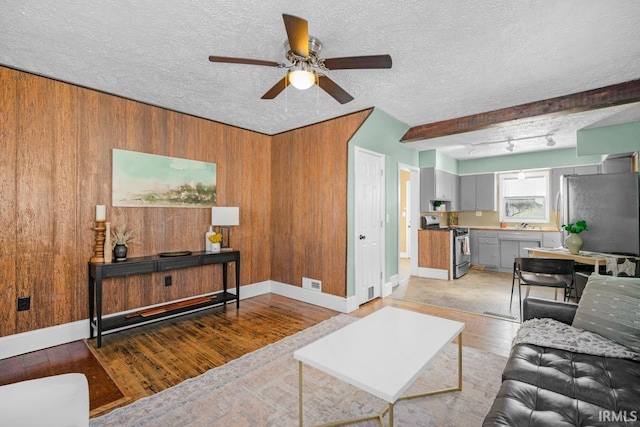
(497, 228)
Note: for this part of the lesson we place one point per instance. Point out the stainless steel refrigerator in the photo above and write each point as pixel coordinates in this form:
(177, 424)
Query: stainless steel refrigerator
(610, 205)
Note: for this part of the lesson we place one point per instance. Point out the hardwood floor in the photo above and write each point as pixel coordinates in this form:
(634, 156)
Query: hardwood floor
(148, 359)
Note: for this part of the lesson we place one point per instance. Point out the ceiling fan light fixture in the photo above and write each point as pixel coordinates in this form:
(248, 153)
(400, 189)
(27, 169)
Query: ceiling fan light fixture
(302, 79)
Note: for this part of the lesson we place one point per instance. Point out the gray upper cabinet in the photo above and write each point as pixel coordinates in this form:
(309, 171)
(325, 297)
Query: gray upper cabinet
(427, 189)
(455, 193)
(468, 193)
(443, 185)
(478, 192)
(556, 181)
(436, 184)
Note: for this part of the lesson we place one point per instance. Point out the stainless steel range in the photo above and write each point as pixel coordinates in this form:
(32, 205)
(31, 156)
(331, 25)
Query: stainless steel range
(461, 249)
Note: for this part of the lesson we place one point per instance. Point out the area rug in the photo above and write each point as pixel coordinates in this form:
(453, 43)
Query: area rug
(261, 389)
(480, 292)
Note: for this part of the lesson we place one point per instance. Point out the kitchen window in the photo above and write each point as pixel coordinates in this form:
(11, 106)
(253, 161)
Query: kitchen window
(524, 197)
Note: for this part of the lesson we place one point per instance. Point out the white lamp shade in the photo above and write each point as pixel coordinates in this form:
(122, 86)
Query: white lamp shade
(302, 79)
(225, 215)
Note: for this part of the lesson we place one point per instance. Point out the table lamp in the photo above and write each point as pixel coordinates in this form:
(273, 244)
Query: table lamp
(223, 217)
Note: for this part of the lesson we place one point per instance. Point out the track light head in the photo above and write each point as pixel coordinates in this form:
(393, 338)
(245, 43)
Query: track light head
(510, 145)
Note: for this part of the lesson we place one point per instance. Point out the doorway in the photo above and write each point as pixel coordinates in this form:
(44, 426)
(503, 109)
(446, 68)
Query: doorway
(369, 224)
(408, 221)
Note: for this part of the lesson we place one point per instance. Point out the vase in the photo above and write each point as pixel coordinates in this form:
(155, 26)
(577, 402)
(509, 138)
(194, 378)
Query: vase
(215, 247)
(120, 252)
(573, 242)
(207, 242)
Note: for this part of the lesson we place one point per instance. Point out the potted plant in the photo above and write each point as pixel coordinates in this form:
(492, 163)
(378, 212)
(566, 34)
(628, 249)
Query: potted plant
(573, 240)
(216, 240)
(121, 238)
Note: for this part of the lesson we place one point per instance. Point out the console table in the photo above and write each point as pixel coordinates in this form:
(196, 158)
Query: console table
(151, 264)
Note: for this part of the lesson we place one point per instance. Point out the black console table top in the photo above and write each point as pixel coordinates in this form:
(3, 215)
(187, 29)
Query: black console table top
(152, 264)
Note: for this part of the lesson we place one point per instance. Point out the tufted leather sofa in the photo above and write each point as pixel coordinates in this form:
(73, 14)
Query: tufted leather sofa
(549, 387)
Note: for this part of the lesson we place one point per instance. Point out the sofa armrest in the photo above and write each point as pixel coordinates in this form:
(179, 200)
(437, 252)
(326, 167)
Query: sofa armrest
(537, 308)
(56, 401)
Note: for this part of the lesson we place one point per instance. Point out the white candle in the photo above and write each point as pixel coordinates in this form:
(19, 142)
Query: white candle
(101, 212)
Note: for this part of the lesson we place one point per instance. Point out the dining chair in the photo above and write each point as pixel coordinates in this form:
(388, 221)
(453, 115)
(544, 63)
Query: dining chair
(547, 272)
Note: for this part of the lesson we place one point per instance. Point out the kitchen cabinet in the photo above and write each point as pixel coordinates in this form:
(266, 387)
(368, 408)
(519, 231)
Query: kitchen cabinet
(497, 249)
(436, 184)
(473, 246)
(443, 185)
(478, 192)
(511, 249)
(552, 239)
(434, 254)
(556, 181)
(488, 248)
(514, 244)
(455, 193)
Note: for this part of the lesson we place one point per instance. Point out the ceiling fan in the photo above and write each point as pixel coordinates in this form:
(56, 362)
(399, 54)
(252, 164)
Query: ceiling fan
(306, 68)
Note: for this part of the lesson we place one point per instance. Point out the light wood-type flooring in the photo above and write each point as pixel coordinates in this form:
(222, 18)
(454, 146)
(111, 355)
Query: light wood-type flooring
(148, 359)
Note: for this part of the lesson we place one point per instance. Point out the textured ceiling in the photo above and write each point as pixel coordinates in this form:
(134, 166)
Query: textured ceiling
(450, 59)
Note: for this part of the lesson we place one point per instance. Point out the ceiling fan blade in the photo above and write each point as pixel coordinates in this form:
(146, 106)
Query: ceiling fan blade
(334, 90)
(276, 89)
(298, 34)
(244, 61)
(358, 62)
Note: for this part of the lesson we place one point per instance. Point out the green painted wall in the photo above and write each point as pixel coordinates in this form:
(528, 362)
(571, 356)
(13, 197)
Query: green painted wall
(380, 133)
(537, 160)
(547, 159)
(438, 160)
(614, 139)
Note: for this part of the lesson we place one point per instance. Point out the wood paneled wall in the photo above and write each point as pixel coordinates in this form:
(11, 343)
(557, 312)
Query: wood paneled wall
(55, 166)
(309, 203)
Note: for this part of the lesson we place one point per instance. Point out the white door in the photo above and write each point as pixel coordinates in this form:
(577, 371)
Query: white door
(369, 224)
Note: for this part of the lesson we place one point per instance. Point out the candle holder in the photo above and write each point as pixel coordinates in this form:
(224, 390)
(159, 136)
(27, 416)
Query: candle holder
(98, 248)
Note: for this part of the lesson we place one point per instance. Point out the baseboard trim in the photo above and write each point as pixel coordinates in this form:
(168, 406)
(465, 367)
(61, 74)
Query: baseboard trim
(39, 339)
(26, 342)
(343, 305)
(387, 288)
(433, 273)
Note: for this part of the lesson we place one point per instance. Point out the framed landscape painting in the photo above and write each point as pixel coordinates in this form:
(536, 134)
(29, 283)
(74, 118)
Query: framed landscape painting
(141, 179)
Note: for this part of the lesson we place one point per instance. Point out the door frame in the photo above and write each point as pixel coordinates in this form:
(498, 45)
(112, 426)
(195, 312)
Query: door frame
(414, 215)
(382, 246)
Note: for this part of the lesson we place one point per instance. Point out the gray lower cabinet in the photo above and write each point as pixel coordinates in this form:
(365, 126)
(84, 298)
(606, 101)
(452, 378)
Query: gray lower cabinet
(514, 244)
(488, 249)
(512, 249)
(498, 249)
(474, 248)
(552, 239)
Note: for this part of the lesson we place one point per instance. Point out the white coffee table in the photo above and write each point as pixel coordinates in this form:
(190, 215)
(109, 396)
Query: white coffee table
(382, 354)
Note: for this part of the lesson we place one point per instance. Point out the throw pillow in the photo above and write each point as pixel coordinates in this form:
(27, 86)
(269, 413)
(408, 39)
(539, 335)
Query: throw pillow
(610, 306)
